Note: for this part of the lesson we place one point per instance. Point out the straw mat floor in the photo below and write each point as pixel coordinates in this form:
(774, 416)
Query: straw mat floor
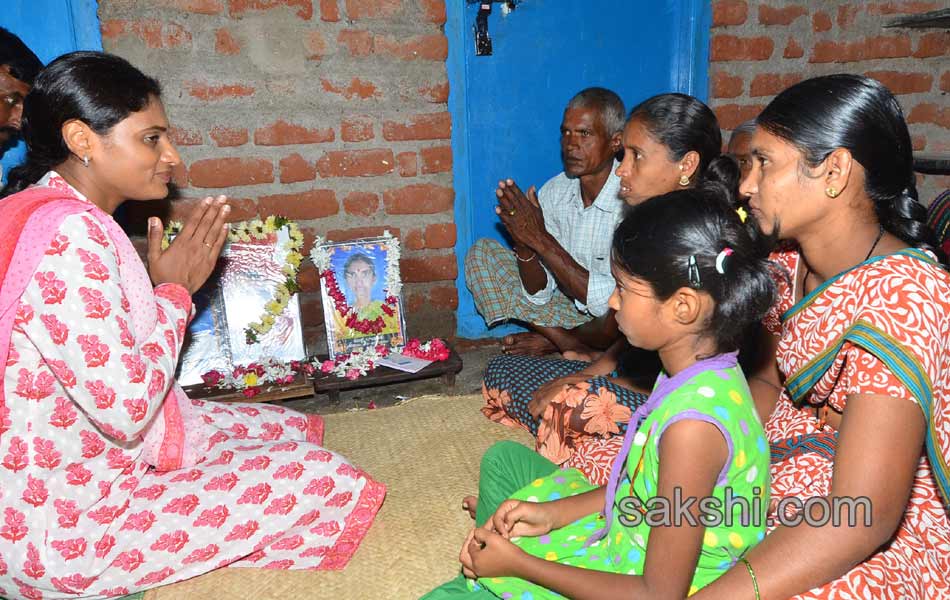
(427, 452)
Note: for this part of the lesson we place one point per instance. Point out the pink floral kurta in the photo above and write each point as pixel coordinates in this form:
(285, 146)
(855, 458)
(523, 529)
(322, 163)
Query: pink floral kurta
(82, 514)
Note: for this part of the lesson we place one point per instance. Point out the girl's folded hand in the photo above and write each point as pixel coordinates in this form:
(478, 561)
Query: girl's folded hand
(515, 518)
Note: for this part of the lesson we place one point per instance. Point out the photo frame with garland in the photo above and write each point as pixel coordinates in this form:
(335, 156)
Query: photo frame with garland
(249, 309)
(360, 286)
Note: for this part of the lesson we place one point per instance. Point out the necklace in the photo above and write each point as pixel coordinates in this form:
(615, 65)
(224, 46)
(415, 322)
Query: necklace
(880, 234)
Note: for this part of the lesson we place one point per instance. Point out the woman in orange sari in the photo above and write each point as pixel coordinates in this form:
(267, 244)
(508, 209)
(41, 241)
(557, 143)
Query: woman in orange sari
(857, 397)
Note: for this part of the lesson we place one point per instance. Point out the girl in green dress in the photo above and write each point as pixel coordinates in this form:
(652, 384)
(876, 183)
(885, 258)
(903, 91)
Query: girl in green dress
(688, 494)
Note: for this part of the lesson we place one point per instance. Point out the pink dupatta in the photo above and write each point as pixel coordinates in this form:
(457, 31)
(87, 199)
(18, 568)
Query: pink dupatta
(28, 222)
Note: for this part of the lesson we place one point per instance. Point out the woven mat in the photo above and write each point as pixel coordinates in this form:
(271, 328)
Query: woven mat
(427, 452)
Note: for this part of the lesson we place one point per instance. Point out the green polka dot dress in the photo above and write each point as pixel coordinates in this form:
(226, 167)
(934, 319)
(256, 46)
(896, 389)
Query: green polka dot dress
(719, 397)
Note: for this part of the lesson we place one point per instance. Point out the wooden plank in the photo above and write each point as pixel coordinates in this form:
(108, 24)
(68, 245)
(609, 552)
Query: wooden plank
(332, 385)
(325, 384)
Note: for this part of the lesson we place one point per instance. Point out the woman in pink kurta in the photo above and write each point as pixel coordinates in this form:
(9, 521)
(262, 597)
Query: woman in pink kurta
(112, 480)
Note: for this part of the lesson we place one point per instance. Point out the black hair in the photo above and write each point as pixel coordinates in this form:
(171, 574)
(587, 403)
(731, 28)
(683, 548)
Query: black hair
(96, 88)
(683, 123)
(859, 114)
(359, 257)
(660, 238)
(23, 64)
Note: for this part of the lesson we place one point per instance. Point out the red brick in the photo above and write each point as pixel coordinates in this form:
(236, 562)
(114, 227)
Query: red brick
(228, 172)
(945, 82)
(731, 116)
(224, 43)
(414, 240)
(436, 160)
(155, 34)
(356, 163)
(315, 45)
(918, 142)
(429, 268)
(903, 83)
(433, 126)
(425, 47)
(314, 204)
(437, 94)
(440, 235)
(355, 88)
(242, 209)
(295, 168)
(361, 204)
(372, 9)
(415, 302)
(820, 21)
(357, 129)
(213, 93)
(912, 7)
(434, 10)
(180, 175)
(780, 16)
(769, 84)
(185, 137)
(203, 7)
(930, 113)
(419, 199)
(936, 43)
(357, 41)
(725, 85)
(729, 12)
(847, 14)
(793, 49)
(407, 163)
(897, 46)
(329, 10)
(226, 136)
(730, 47)
(237, 8)
(309, 281)
(355, 233)
(282, 133)
(444, 297)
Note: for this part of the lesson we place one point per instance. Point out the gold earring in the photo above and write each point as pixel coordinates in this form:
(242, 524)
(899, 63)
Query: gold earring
(684, 180)
(831, 192)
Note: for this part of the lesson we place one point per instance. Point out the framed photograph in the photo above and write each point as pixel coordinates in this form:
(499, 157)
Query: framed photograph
(360, 287)
(249, 309)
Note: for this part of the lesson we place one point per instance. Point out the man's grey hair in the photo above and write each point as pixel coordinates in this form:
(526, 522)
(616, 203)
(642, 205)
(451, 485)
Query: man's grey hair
(747, 128)
(607, 104)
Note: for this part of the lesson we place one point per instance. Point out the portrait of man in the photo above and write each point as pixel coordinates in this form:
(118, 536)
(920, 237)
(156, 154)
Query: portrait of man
(361, 272)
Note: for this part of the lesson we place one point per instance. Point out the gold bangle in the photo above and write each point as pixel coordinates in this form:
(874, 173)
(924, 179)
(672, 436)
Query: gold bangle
(755, 582)
(529, 259)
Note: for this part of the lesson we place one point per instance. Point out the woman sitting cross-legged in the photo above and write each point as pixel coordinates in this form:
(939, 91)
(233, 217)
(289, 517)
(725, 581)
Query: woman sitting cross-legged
(112, 480)
(857, 399)
(689, 282)
(671, 142)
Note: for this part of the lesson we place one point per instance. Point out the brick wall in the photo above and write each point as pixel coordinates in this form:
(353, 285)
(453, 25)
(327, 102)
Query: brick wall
(330, 112)
(759, 48)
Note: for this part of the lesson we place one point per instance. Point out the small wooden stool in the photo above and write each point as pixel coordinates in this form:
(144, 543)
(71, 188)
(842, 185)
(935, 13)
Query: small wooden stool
(331, 385)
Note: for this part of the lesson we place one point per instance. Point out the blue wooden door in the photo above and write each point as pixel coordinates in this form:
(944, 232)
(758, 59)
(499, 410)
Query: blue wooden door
(506, 108)
(50, 28)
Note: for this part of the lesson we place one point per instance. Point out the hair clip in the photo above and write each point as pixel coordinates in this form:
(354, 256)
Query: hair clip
(721, 260)
(692, 272)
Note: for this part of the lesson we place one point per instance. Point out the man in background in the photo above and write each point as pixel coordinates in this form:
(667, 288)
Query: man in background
(18, 68)
(556, 278)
